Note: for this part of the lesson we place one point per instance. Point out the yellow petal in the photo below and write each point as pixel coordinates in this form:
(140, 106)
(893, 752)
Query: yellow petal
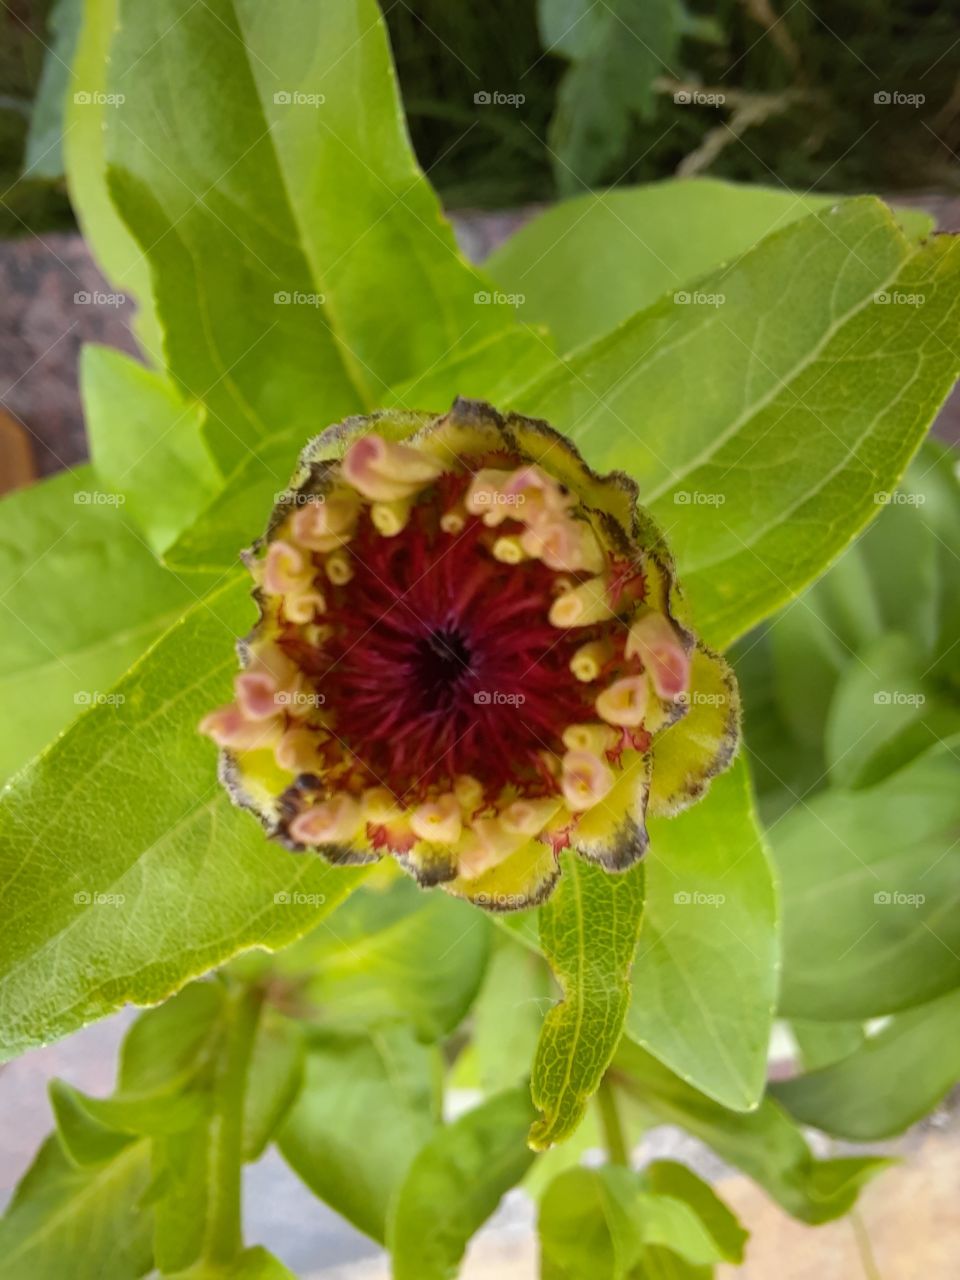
(695, 749)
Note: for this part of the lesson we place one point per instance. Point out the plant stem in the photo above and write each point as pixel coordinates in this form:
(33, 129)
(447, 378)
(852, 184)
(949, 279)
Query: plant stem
(224, 1224)
(613, 1134)
(867, 1260)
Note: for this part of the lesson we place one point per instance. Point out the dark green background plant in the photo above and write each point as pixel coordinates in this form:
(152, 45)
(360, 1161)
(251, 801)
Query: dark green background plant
(598, 82)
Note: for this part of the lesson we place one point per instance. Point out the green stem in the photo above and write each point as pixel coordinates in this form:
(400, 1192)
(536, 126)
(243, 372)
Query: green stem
(613, 1134)
(867, 1260)
(224, 1224)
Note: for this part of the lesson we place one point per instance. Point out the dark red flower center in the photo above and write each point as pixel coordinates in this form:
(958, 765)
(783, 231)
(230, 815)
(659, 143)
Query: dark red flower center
(441, 660)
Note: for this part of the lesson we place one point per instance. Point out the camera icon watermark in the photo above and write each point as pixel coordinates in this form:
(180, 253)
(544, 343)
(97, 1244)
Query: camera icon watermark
(496, 298)
(496, 698)
(698, 98)
(97, 498)
(95, 98)
(898, 698)
(94, 698)
(298, 899)
(296, 298)
(696, 498)
(684, 898)
(97, 298)
(296, 98)
(894, 98)
(86, 899)
(894, 898)
(898, 298)
(298, 698)
(494, 98)
(899, 498)
(294, 498)
(698, 298)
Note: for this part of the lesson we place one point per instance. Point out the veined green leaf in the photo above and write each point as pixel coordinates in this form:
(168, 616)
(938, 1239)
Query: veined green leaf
(81, 1221)
(81, 597)
(812, 393)
(489, 371)
(587, 264)
(588, 933)
(870, 892)
(705, 976)
(300, 260)
(892, 1080)
(125, 869)
(454, 1184)
(368, 1104)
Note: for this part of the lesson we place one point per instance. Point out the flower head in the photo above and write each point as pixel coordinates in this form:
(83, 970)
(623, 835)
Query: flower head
(469, 657)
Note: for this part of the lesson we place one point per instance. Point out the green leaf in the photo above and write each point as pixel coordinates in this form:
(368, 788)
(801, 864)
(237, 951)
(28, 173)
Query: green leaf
(367, 1105)
(85, 1139)
(617, 49)
(80, 598)
(669, 1178)
(892, 1080)
(813, 396)
(587, 1225)
(765, 1144)
(455, 1183)
(588, 933)
(392, 953)
(146, 444)
(705, 976)
(43, 157)
(587, 264)
(886, 710)
(258, 1264)
(490, 371)
(821, 1043)
(167, 1111)
(869, 894)
(602, 1221)
(167, 1046)
(88, 110)
(278, 312)
(276, 1075)
(197, 1188)
(240, 512)
(79, 1221)
(126, 869)
(161, 1082)
(507, 1016)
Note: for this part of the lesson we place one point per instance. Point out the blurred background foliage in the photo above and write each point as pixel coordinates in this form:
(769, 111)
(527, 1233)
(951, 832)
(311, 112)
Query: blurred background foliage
(599, 81)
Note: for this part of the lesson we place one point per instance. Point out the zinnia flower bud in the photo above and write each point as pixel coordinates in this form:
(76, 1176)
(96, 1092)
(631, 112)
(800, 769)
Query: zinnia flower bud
(469, 657)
